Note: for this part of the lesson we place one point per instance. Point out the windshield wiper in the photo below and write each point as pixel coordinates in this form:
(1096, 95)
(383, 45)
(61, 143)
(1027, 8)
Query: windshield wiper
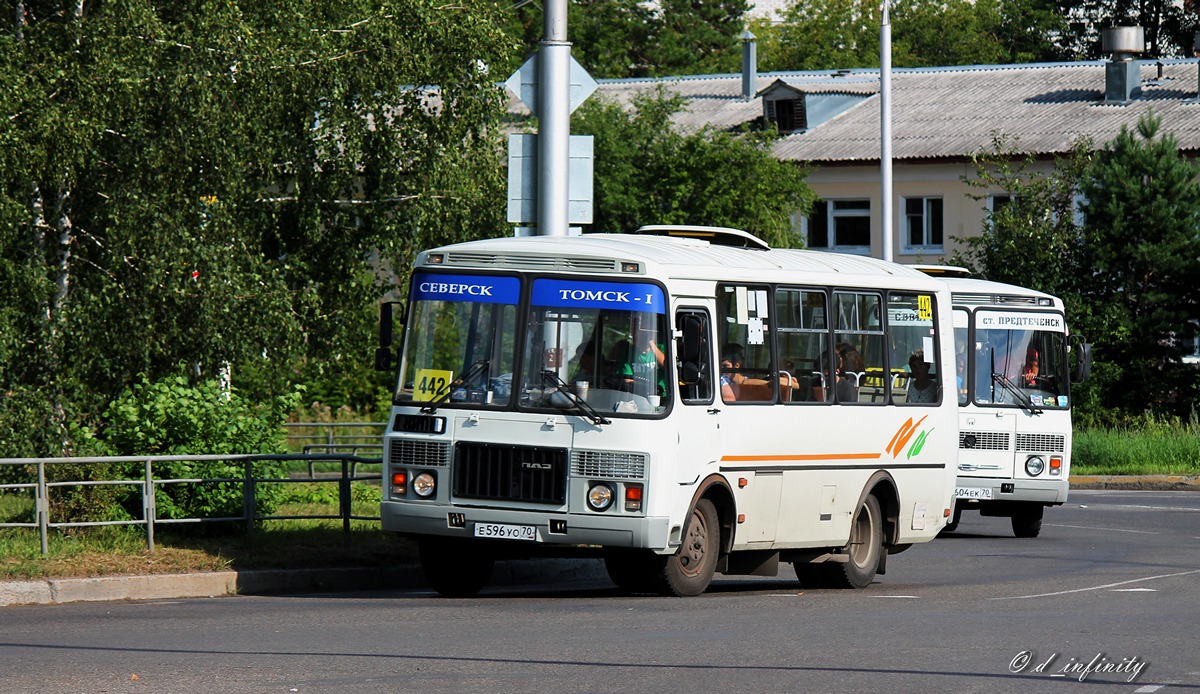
(564, 389)
(1022, 399)
(472, 371)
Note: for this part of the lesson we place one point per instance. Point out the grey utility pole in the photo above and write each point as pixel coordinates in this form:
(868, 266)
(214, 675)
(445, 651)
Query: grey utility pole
(554, 122)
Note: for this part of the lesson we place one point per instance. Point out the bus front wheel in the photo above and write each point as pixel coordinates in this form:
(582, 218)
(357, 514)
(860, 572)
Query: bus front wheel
(1027, 522)
(455, 568)
(689, 571)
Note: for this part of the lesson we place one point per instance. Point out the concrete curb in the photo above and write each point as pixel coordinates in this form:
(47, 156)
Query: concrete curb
(281, 581)
(1143, 482)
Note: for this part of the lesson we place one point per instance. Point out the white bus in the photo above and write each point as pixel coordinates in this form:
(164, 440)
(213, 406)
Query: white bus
(1014, 378)
(671, 401)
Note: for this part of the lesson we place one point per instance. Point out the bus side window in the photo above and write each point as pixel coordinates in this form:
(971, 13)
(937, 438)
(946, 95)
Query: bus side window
(694, 350)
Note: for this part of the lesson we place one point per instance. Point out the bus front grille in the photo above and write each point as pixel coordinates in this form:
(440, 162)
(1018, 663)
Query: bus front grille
(413, 453)
(1041, 443)
(983, 440)
(510, 473)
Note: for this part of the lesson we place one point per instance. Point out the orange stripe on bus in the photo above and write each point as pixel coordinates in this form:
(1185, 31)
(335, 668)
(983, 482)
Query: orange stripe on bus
(830, 456)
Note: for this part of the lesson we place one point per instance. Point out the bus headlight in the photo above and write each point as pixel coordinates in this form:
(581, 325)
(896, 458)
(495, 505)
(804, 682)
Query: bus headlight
(424, 485)
(1034, 465)
(600, 496)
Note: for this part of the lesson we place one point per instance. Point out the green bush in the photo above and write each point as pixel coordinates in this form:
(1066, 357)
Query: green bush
(173, 417)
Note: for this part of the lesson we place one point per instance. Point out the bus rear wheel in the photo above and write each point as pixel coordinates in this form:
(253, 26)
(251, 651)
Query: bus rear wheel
(689, 571)
(455, 568)
(864, 549)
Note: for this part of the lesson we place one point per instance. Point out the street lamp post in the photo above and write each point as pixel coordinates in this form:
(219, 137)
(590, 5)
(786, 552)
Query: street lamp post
(885, 133)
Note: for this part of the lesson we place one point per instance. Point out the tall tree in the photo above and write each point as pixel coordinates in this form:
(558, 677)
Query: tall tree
(646, 172)
(832, 34)
(630, 38)
(1142, 211)
(1168, 26)
(216, 183)
(1033, 240)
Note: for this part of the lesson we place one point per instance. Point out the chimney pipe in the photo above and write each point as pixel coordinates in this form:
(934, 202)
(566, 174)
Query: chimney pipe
(1122, 75)
(749, 64)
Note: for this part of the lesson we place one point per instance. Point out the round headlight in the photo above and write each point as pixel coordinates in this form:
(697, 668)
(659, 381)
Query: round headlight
(424, 484)
(1034, 465)
(600, 496)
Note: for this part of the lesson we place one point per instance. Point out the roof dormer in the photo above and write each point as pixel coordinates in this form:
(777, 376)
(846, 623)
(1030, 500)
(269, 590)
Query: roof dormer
(804, 104)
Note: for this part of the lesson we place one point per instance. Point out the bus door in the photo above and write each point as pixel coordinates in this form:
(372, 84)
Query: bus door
(695, 418)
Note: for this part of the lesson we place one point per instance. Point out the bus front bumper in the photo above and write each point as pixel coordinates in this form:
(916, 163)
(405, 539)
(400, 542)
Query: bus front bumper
(645, 532)
(981, 492)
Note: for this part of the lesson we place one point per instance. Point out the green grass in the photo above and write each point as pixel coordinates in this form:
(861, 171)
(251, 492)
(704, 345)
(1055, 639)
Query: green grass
(1152, 447)
(272, 544)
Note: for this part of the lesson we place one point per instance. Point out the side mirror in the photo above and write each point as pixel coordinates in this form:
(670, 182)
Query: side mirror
(691, 349)
(383, 355)
(1083, 361)
(691, 346)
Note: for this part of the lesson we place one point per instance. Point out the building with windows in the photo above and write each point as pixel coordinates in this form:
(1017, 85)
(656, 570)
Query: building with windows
(940, 118)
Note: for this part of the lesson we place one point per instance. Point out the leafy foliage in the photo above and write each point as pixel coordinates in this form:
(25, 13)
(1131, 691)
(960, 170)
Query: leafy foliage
(647, 172)
(228, 183)
(629, 38)
(171, 417)
(831, 34)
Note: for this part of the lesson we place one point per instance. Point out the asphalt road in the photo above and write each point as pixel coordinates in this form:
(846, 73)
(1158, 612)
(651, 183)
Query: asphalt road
(1107, 599)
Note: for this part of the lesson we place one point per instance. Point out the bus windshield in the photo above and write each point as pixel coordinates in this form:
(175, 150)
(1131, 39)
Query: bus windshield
(1020, 353)
(606, 341)
(460, 344)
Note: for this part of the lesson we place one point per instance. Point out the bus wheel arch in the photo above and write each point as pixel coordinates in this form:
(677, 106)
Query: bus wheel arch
(883, 487)
(716, 489)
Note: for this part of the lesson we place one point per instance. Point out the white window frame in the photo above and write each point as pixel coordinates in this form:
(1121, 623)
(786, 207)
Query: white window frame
(906, 221)
(832, 215)
(1007, 198)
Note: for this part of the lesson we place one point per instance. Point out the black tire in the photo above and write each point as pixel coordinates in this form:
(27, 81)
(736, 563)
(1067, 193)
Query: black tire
(689, 571)
(864, 549)
(632, 572)
(455, 568)
(1028, 522)
(816, 575)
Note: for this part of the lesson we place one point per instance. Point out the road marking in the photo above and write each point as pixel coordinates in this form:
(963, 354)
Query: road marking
(1107, 585)
(1165, 508)
(1148, 688)
(1107, 530)
(901, 597)
(1135, 590)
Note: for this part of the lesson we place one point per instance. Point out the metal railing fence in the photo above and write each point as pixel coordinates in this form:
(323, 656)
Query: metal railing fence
(335, 437)
(148, 484)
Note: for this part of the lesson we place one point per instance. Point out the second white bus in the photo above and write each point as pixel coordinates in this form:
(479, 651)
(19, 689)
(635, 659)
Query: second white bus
(681, 401)
(1014, 377)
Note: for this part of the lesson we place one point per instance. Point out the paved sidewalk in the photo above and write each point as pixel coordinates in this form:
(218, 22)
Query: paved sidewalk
(211, 584)
(282, 581)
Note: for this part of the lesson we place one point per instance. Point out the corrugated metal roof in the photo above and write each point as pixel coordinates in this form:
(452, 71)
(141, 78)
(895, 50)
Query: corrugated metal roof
(947, 113)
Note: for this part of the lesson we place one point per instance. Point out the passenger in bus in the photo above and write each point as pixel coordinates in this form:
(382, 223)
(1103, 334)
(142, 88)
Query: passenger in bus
(731, 377)
(1029, 372)
(850, 365)
(921, 388)
(624, 360)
